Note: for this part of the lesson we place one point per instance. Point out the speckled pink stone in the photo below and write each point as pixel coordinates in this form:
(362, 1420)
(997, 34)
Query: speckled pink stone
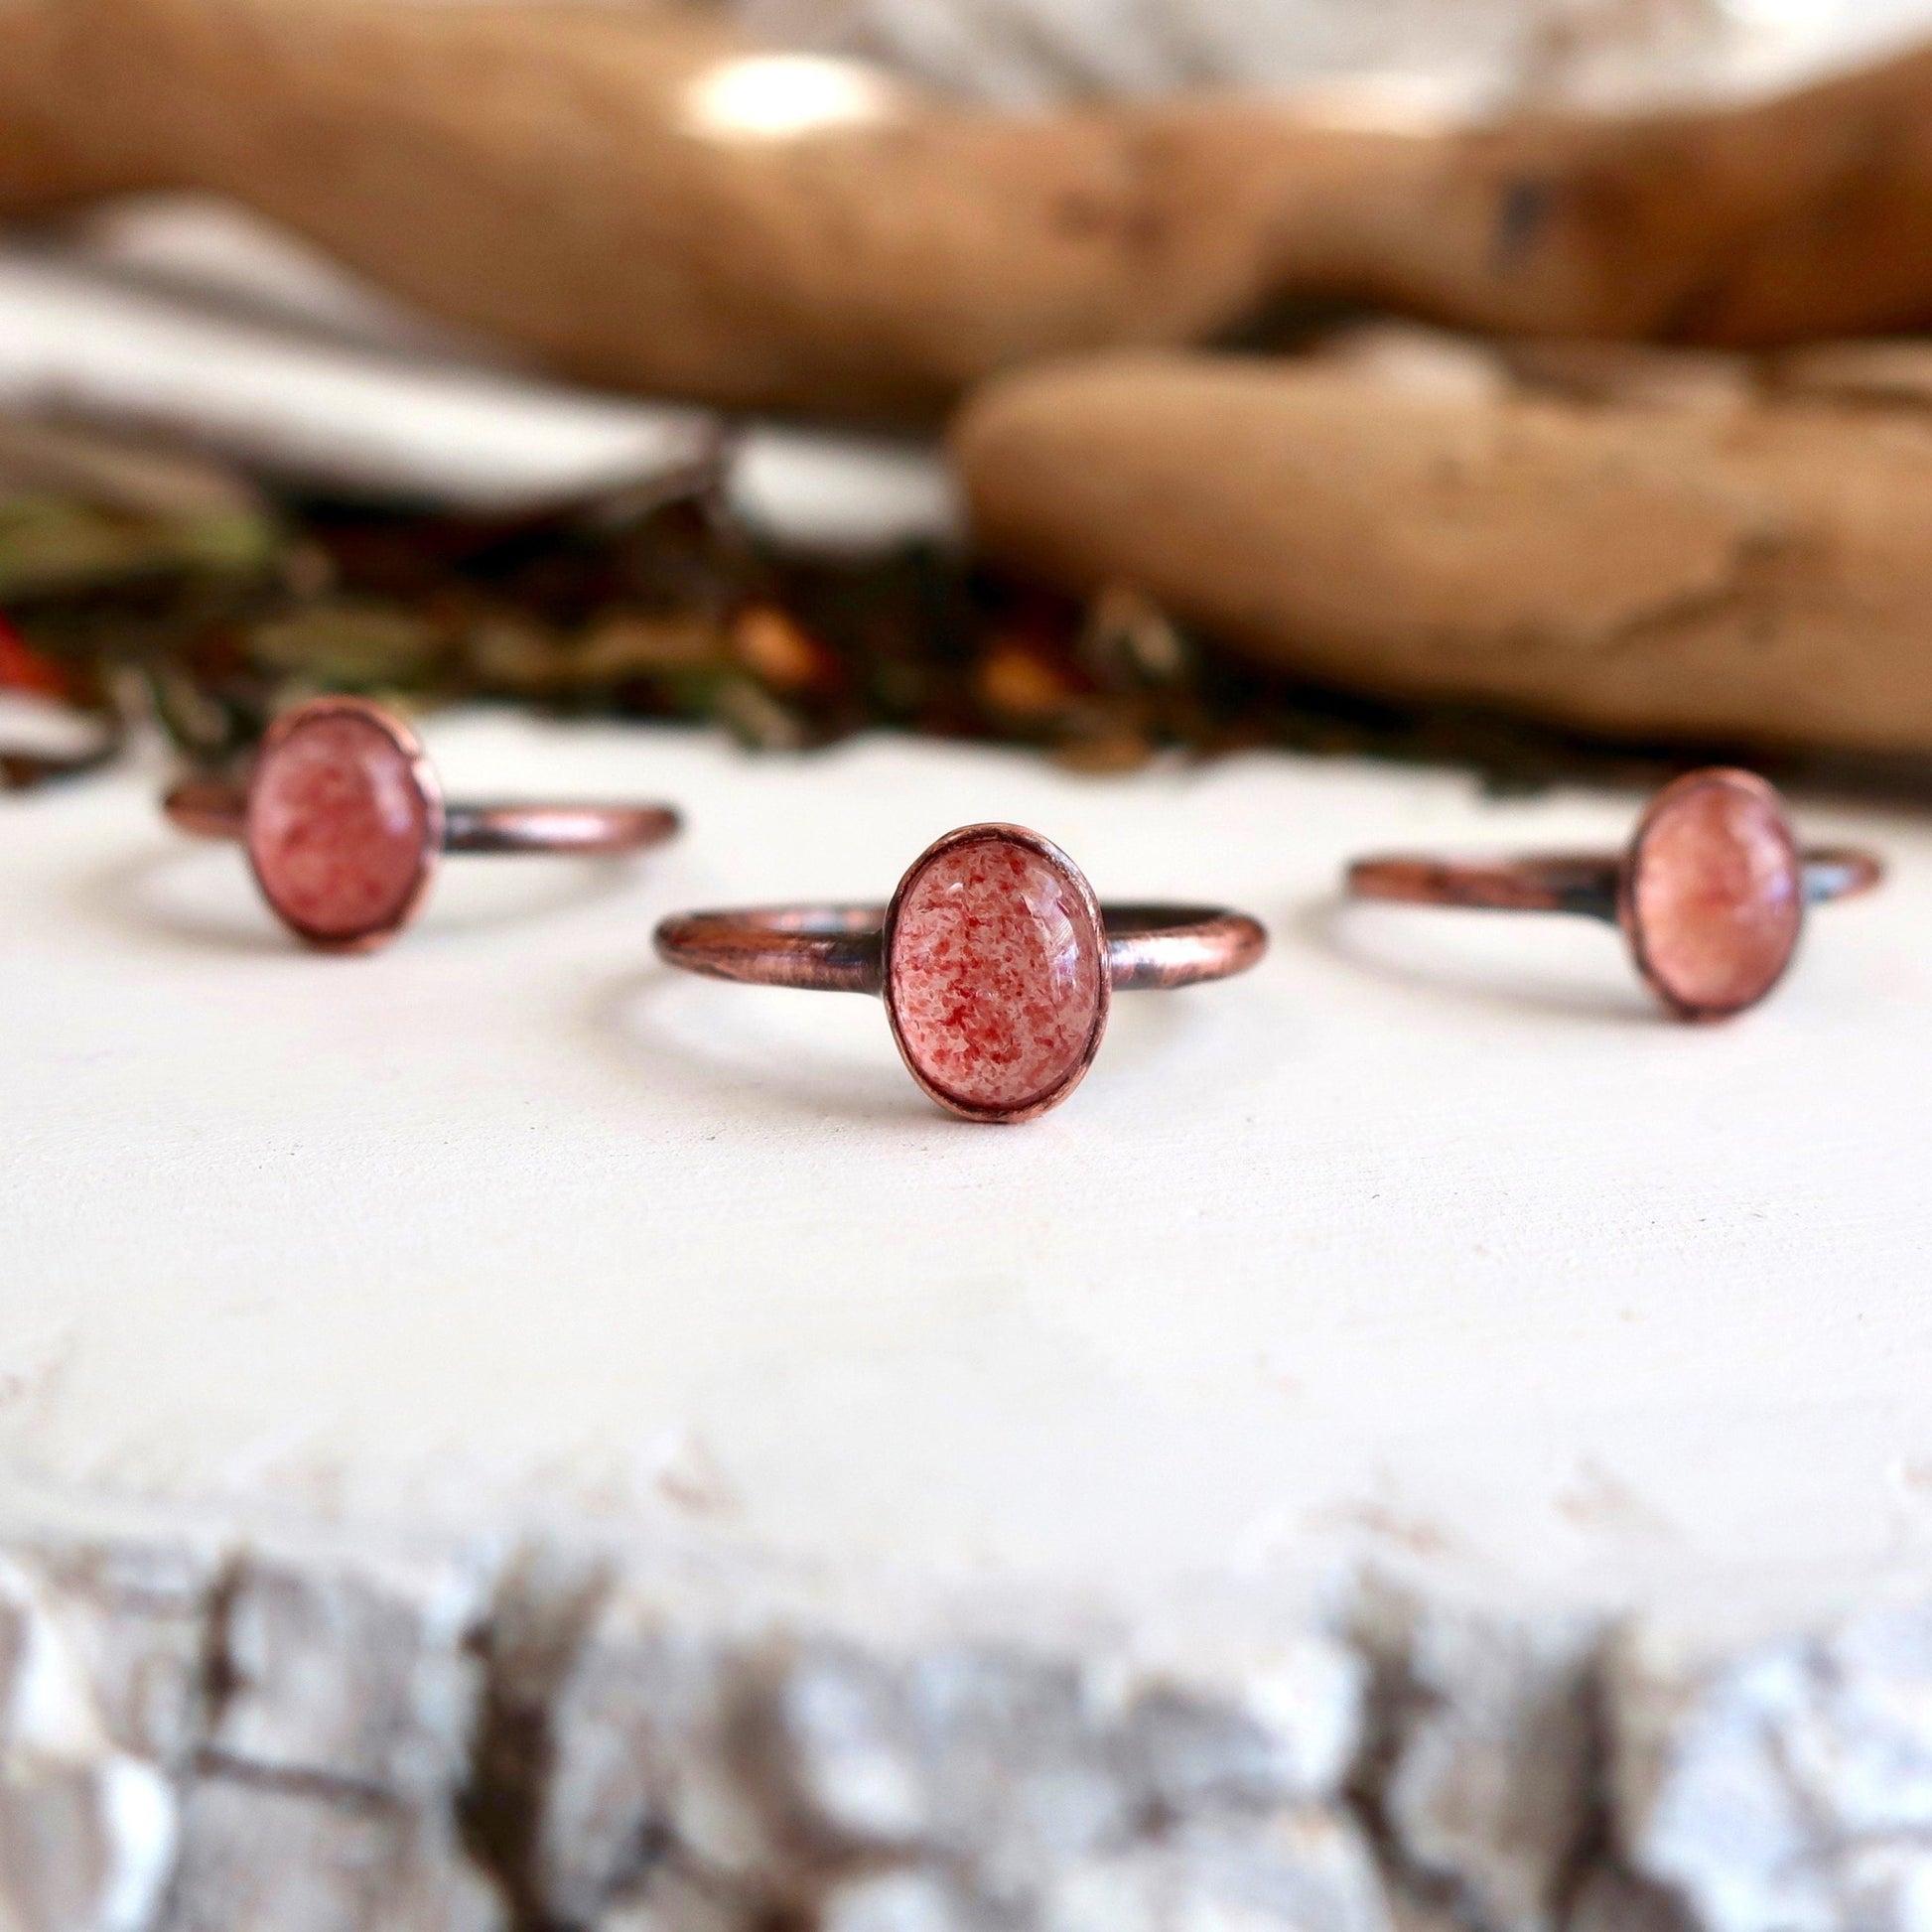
(338, 827)
(996, 975)
(1718, 896)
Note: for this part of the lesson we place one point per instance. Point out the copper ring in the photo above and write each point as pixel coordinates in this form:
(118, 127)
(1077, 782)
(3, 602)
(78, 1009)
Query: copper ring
(345, 821)
(996, 962)
(1710, 893)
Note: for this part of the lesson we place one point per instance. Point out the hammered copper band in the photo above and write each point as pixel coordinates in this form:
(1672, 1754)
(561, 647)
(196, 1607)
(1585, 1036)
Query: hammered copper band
(1557, 882)
(212, 809)
(839, 948)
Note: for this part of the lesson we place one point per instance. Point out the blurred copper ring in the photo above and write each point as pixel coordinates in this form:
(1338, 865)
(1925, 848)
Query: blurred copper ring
(994, 959)
(345, 821)
(1710, 893)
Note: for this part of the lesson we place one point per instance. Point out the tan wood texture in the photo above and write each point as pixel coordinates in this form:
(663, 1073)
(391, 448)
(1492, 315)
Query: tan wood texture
(546, 172)
(1622, 540)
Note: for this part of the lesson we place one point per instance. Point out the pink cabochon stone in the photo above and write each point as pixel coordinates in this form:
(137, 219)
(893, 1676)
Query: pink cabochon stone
(996, 976)
(338, 827)
(1718, 896)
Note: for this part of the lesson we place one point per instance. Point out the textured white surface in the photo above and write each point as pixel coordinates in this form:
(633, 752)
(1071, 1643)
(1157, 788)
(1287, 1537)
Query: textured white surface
(1428, 1239)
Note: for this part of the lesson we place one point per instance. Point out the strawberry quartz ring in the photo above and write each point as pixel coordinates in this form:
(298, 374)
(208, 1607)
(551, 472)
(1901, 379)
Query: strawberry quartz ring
(1711, 894)
(996, 962)
(345, 822)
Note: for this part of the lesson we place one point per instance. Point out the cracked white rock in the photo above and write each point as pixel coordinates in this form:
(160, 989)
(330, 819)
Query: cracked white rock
(349, 1694)
(675, 1900)
(1309, 1868)
(1410, 1911)
(1787, 1788)
(355, 1668)
(1018, 1760)
(1491, 1790)
(775, 1753)
(640, 1744)
(133, 1611)
(264, 1858)
(968, 1751)
(1263, 1729)
(909, 1898)
(86, 1831)
(1612, 1898)
(668, 1758)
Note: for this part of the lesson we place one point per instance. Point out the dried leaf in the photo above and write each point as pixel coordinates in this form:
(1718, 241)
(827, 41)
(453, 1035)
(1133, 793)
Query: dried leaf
(757, 718)
(1021, 684)
(1104, 754)
(341, 645)
(626, 646)
(39, 459)
(776, 649)
(142, 581)
(1130, 640)
(515, 654)
(25, 669)
(52, 546)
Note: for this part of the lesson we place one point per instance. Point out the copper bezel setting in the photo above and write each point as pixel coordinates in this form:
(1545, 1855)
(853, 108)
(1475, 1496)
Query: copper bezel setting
(1762, 792)
(1095, 935)
(1604, 886)
(422, 775)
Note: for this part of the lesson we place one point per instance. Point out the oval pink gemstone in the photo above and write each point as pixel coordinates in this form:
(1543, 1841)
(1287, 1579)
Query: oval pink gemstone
(1716, 894)
(339, 827)
(996, 976)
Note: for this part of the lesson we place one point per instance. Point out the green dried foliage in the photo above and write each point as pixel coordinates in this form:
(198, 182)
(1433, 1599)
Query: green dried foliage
(56, 546)
(149, 580)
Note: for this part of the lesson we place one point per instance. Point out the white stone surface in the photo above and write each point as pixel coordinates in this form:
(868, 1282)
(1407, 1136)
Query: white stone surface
(1429, 1241)
(1490, 1792)
(673, 1904)
(330, 412)
(190, 314)
(86, 1829)
(1309, 1868)
(1788, 1787)
(268, 1859)
(350, 1670)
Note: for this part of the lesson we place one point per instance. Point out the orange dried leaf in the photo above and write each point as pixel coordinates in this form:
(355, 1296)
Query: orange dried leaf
(1017, 682)
(23, 669)
(778, 650)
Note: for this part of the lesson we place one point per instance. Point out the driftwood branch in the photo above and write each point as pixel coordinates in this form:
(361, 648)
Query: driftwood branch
(1625, 539)
(642, 198)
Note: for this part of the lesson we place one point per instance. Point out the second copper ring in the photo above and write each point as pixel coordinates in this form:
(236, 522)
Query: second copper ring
(345, 822)
(996, 961)
(1710, 893)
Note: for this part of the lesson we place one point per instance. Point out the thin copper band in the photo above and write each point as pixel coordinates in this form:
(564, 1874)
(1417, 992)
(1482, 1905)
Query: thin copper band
(1840, 872)
(1584, 882)
(207, 809)
(211, 809)
(588, 829)
(838, 948)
